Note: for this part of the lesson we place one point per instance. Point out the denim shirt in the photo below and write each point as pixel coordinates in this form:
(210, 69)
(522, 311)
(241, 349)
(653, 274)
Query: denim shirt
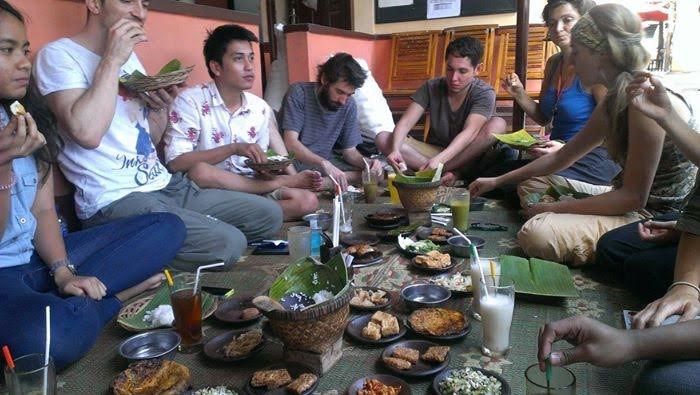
(16, 246)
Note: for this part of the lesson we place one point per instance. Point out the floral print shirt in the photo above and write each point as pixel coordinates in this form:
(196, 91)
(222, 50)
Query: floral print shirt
(199, 120)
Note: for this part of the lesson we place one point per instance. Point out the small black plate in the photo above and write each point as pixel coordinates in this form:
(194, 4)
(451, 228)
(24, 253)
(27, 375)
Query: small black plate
(230, 310)
(453, 262)
(385, 379)
(294, 369)
(421, 368)
(368, 259)
(465, 331)
(505, 387)
(213, 347)
(423, 232)
(354, 330)
(375, 307)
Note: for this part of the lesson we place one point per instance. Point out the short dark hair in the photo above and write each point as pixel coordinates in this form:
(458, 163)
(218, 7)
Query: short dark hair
(342, 67)
(582, 6)
(466, 47)
(218, 40)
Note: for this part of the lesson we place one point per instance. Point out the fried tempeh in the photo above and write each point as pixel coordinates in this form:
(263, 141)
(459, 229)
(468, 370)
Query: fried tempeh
(397, 363)
(271, 378)
(435, 354)
(409, 354)
(302, 383)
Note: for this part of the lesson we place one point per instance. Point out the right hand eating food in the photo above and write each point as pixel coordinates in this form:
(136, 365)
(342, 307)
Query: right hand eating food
(19, 138)
(482, 185)
(252, 151)
(122, 38)
(511, 84)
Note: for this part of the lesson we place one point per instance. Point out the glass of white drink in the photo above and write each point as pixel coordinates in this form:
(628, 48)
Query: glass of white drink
(486, 264)
(497, 300)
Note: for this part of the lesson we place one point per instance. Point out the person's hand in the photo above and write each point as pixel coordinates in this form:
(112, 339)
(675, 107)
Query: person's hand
(123, 35)
(532, 209)
(647, 94)
(680, 299)
(660, 232)
(594, 342)
(375, 166)
(69, 284)
(546, 148)
(396, 159)
(252, 151)
(511, 84)
(336, 174)
(432, 163)
(158, 101)
(20, 138)
(482, 185)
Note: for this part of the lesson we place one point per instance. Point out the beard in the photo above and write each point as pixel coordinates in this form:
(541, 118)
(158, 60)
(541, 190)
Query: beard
(324, 98)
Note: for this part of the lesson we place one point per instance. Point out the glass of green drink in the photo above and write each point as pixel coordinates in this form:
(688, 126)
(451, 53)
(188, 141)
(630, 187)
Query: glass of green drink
(459, 205)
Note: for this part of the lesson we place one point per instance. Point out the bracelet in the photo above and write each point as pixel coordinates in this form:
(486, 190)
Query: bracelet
(691, 285)
(13, 181)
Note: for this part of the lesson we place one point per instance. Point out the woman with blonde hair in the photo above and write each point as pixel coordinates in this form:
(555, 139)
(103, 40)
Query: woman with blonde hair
(655, 176)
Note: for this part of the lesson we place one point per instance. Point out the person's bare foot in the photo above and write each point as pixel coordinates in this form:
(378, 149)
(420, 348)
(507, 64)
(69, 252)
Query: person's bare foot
(307, 179)
(448, 179)
(150, 283)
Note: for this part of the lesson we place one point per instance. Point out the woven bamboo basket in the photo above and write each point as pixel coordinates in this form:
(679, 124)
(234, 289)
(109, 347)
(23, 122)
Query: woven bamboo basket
(417, 197)
(153, 82)
(314, 329)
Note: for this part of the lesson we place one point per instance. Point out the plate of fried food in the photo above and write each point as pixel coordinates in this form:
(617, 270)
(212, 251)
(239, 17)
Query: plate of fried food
(152, 376)
(387, 219)
(376, 328)
(436, 234)
(379, 384)
(235, 345)
(237, 310)
(282, 379)
(480, 381)
(458, 283)
(364, 255)
(370, 298)
(434, 261)
(416, 357)
(439, 323)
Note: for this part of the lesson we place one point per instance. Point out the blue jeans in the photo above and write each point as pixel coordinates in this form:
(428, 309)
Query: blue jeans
(121, 254)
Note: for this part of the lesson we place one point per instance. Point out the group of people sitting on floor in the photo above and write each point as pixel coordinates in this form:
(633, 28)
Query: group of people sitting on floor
(617, 135)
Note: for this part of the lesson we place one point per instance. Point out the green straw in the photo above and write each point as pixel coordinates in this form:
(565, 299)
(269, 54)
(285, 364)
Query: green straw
(548, 370)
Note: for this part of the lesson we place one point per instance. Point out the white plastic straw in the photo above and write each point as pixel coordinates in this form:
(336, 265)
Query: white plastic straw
(475, 255)
(340, 193)
(462, 234)
(336, 221)
(199, 271)
(366, 166)
(48, 347)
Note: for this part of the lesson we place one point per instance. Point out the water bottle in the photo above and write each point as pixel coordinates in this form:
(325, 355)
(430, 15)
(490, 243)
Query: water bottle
(315, 240)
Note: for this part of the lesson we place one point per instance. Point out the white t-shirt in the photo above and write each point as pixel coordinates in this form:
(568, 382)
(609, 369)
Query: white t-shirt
(126, 160)
(200, 121)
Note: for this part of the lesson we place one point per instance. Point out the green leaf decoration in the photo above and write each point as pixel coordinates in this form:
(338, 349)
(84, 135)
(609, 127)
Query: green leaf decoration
(173, 65)
(308, 277)
(538, 277)
(400, 178)
(520, 139)
(270, 152)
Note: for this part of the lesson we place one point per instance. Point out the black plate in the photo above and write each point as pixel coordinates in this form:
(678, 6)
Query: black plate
(194, 390)
(423, 232)
(411, 253)
(368, 259)
(354, 330)
(453, 262)
(462, 333)
(455, 291)
(421, 368)
(351, 239)
(213, 347)
(294, 369)
(505, 387)
(399, 219)
(230, 310)
(375, 307)
(385, 379)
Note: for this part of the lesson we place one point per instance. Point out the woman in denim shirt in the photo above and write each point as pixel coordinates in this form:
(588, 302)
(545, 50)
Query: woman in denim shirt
(84, 278)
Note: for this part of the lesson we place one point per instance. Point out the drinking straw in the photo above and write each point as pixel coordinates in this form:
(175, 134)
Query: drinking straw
(366, 166)
(493, 271)
(340, 193)
(8, 357)
(548, 370)
(199, 272)
(463, 236)
(168, 277)
(48, 346)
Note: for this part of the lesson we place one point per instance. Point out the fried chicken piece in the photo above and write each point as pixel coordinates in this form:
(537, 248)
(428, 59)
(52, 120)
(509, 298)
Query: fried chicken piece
(372, 331)
(390, 326)
(408, 354)
(436, 354)
(376, 387)
(379, 316)
(271, 378)
(441, 232)
(152, 376)
(377, 297)
(302, 383)
(242, 344)
(397, 363)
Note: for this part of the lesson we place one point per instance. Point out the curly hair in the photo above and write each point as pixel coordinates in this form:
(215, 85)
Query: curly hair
(342, 67)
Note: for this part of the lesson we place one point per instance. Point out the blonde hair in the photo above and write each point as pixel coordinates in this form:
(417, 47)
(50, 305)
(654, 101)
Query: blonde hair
(615, 30)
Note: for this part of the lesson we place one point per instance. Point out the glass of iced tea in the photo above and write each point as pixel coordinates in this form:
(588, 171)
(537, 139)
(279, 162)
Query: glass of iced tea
(187, 308)
(370, 184)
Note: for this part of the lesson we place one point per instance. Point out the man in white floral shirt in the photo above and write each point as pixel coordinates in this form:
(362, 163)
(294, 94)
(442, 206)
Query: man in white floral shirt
(217, 126)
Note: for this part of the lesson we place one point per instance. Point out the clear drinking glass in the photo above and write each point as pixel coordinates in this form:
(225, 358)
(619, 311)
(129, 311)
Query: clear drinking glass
(486, 264)
(28, 375)
(187, 309)
(496, 304)
(370, 184)
(299, 241)
(459, 205)
(562, 381)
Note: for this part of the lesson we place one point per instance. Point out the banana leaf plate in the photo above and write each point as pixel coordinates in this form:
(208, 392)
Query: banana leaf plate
(521, 139)
(537, 277)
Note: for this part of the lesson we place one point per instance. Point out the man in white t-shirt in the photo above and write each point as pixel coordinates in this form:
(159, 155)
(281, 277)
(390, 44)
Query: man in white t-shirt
(217, 126)
(110, 135)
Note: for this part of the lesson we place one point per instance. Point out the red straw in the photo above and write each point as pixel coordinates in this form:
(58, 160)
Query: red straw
(8, 357)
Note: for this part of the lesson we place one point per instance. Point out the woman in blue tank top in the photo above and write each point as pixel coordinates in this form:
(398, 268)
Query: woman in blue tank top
(84, 277)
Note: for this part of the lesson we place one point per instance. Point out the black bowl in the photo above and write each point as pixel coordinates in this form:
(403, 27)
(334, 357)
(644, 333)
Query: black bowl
(418, 296)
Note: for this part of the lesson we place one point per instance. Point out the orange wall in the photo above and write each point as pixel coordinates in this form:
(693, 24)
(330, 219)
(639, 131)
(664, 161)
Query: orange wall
(307, 50)
(170, 35)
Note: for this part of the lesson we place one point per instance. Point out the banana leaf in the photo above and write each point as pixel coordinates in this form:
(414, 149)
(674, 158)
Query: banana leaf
(520, 139)
(270, 153)
(406, 179)
(173, 65)
(557, 191)
(538, 277)
(308, 277)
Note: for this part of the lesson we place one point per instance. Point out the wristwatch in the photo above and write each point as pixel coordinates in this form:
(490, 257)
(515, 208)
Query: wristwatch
(59, 264)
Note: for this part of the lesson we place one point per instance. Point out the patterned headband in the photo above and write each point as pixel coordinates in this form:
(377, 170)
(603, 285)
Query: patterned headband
(587, 33)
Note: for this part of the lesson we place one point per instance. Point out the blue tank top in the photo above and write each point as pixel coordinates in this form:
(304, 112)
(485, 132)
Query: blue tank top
(572, 112)
(16, 242)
